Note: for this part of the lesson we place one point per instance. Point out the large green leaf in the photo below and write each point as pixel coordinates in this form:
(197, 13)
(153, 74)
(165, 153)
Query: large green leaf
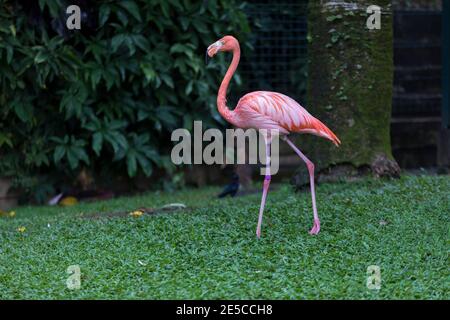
(132, 8)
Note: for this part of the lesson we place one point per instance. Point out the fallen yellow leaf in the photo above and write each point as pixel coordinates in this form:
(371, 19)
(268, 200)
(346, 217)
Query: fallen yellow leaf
(21, 229)
(68, 201)
(136, 213)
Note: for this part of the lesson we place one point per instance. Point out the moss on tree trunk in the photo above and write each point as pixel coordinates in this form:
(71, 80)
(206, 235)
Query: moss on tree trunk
(350, 83)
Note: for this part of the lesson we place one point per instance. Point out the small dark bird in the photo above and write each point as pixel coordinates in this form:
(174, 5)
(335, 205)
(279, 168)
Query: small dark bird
(231, 189)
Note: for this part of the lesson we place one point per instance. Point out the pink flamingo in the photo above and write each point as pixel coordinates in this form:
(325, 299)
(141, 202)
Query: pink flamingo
(269, 110)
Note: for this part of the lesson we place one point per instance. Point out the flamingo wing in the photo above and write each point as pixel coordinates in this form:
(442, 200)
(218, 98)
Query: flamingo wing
(273, 110)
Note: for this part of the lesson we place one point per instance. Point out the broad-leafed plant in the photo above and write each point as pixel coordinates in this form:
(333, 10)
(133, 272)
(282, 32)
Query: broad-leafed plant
(110, 93)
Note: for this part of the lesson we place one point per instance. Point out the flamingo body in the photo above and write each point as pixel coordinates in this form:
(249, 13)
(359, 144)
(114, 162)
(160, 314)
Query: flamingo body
(273, 110)
(269, 110)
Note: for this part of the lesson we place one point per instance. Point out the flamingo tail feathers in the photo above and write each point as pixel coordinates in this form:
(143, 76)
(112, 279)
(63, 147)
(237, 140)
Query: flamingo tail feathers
(330, 134)
(316, 127)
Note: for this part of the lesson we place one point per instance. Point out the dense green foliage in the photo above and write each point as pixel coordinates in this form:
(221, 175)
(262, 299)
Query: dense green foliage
(211, 251)
(110, 91)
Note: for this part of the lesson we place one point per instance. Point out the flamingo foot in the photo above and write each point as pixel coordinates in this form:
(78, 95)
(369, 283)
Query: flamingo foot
(258, 233)
(316, 227)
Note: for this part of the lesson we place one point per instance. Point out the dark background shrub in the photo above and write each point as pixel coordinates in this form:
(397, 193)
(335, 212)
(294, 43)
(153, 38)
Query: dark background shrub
(105, 97)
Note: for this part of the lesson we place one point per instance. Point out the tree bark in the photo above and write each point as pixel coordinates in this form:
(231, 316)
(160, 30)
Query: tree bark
(350, 85)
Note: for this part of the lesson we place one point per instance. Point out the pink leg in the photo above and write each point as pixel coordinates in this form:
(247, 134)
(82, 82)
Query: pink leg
(316, 228)
(265, 190)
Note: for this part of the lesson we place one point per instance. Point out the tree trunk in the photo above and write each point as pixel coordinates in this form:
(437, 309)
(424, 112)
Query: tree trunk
(350, 85)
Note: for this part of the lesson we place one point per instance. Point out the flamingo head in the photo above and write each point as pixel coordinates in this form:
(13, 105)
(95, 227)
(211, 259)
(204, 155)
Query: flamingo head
(227, 43)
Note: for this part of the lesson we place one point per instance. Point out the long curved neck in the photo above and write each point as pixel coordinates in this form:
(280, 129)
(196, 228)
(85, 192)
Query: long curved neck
(222, 95)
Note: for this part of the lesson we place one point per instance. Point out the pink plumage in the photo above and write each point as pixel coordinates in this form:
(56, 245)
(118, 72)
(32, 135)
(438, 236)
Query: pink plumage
(273, 110)
(269, 110)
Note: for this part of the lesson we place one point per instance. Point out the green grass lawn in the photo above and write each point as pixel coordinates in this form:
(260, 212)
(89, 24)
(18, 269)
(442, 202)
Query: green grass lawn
(211, 251)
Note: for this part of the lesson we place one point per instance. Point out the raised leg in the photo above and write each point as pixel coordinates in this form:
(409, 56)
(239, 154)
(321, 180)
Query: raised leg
(316, 227)
(265, 189)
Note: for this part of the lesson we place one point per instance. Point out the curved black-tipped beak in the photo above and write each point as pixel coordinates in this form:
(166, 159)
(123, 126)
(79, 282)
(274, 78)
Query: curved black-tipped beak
(206, 57)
